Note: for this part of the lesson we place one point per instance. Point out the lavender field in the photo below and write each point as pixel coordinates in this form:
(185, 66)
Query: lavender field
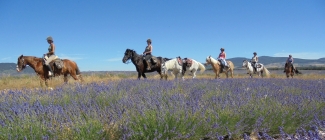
(154, 109)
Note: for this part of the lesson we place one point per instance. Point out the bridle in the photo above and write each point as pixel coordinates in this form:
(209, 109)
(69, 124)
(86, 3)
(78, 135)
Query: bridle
(129, 57)
(24, 64)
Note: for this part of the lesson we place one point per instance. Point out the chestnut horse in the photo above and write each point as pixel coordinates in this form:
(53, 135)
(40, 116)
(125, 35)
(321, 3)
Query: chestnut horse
(216, 66)
(69, 67)
(139, 64)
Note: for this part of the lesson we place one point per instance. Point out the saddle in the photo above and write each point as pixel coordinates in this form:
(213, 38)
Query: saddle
(179, 60)
(187, 62)
(56, 63)
(258, 65)
(221, 63)
(154, 60)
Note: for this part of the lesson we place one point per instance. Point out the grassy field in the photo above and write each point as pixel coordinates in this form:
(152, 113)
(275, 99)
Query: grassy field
(28, 81)
(114, 105)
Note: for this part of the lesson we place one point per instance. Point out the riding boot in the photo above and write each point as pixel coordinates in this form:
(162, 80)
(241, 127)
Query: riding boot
(285, 67)
(50, 70)
(148, 65)
(255, 70)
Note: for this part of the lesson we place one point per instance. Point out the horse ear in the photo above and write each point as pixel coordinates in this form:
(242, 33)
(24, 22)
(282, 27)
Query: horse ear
(21, 56)
(209, 56)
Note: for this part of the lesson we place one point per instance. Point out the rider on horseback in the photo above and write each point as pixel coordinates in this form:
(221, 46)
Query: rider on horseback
(147, 54)
(254, 62)
(48, 57)
(290, 61)
(222, 59)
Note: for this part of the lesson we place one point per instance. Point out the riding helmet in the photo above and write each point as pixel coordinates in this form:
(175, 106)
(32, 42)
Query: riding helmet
(254, 53)
(222, 49)
(49, 38)
(290, 55)
(149, 40)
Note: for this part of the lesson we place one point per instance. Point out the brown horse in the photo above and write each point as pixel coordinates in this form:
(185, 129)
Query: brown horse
(69, 67)
(217, 67)
(289, 70)
(139, 64)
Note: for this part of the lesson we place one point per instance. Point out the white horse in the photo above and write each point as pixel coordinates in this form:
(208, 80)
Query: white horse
(195, 66)
(171, 65)
(259, 70)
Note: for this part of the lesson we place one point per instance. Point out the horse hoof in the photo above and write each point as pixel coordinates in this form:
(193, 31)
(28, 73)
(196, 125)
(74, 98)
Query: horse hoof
(50, 88)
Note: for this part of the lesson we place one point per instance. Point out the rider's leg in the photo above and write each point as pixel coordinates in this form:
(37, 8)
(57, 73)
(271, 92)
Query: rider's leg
(47, 63)
(148, 65)
(285, 67)
(147, 60)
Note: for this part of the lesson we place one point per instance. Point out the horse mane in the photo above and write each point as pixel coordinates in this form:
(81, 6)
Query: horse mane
(37, 58)
(214, 61)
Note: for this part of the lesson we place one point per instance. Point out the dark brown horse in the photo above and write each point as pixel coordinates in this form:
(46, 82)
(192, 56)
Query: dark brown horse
(290, 70)
(139, 64)
(69, 67)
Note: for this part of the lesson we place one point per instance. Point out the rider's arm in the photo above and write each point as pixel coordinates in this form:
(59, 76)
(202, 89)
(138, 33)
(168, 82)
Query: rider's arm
(225, 55)
(52, 49)
(256, 59)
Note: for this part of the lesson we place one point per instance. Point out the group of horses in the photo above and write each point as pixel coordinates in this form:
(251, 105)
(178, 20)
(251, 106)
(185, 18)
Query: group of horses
(177, 65)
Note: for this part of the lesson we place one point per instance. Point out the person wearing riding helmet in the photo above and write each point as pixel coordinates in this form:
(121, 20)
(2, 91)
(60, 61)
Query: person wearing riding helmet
(50, 55)
(254, 61)
(147, 54)
(222, 58)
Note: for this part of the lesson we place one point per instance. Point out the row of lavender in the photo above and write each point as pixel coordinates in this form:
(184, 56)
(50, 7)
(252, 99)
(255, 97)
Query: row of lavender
(154, 109)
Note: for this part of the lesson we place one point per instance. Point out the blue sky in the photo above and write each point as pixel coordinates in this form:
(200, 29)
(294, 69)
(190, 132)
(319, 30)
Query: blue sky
(96, 34)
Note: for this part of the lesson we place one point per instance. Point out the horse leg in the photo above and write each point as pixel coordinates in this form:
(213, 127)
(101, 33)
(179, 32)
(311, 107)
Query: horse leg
(144, 76)
(159, 72)
(65, 78)
(41, 80)
(139, 75)
(232, 73)
(194, 75)
(226, 73)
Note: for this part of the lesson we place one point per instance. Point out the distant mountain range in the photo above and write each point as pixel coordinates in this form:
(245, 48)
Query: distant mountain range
(275, 62)
(10, 69)
(269, 62)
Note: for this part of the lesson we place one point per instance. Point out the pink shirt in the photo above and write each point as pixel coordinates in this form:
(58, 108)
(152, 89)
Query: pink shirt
(222, 55)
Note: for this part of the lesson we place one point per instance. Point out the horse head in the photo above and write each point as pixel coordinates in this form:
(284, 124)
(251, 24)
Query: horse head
(208, 60)
(21, 64)
(245, 63)
(127, 55)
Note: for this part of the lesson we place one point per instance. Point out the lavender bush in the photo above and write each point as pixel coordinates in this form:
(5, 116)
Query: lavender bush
(155, 109)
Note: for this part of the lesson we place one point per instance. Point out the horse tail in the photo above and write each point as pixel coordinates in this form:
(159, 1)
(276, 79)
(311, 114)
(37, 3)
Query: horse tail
(231, 65)
(201, 66)
(77, 68)
(267, 72)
